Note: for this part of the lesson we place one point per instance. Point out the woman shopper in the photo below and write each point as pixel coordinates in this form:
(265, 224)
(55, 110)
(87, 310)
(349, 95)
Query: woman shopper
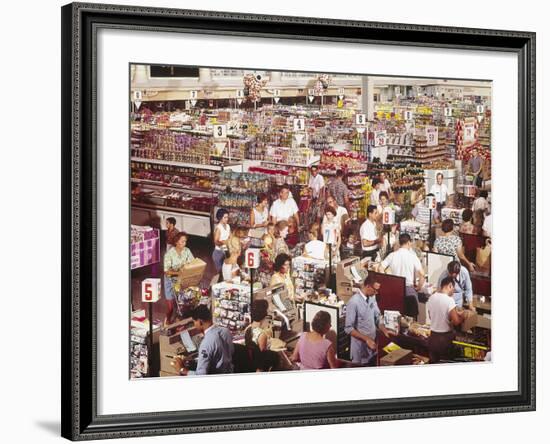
(451, 244)
(222, 231)
(258, 338)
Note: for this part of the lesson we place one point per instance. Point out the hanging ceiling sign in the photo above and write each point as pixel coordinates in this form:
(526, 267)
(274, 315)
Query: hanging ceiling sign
(407, 115)
(360, 119)
(380, 138)
(299, 124)
(480, 109)
(448, 112)
(341, 93)
(220, 131)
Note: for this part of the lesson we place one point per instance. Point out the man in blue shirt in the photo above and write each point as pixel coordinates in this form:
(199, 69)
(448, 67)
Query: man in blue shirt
(216, 349)
(463, 284)
(362, 321)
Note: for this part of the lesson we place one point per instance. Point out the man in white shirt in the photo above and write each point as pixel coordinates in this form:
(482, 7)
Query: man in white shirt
(375, 193)
(481, 203)
(405, 263)
(370, 239)
(444, 316)
(316, 182)
(439, 190)
(488, 226)
(284, 208)
(385, 185)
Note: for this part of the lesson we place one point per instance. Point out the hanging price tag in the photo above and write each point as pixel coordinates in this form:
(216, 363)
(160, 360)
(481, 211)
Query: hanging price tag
(220, 131)
(252, 258)
(150, 290)
(432, 138)
(448, 112)
(379, 138)
(360, 119)
(299, 124)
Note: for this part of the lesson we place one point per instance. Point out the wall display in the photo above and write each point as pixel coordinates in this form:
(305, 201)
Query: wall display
(213, 164)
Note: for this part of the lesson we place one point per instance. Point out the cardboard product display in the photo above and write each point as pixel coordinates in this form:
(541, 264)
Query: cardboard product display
(400, 356)
(191, 274)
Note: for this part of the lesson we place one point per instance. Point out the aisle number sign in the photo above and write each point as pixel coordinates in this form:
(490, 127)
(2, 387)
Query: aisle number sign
(397, 90)
(138, 95)
(341, 93)
(194, 95)
(432, 138)
(252, 258)
(150, 290)
(360, 119)
(480, 109)
(240, 94)
(299, 124)
(220, 131)
(448, 112)
(408, 115)
(329, 236)
(277, 93)
(379, 138)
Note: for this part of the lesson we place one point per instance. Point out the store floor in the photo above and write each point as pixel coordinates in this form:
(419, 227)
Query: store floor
(200, 247)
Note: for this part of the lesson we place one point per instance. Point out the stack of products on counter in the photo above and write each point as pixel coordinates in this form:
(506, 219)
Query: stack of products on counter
(309, 275)
(231, 306)
(416, 230)
(139, 343)
(175, 199)
(452, 213)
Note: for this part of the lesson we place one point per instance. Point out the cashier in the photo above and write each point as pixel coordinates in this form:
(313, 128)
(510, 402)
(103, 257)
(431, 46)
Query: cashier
(281, 267)
(362, 321)
(463, 293)
(174, 260)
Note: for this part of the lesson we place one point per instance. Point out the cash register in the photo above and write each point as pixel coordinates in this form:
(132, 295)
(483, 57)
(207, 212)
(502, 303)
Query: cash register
(349, 272)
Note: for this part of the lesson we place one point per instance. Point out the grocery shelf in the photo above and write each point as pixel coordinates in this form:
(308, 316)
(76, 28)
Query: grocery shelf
(176, 163)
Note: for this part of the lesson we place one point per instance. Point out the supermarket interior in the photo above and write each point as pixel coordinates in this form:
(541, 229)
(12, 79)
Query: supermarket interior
(286, 220)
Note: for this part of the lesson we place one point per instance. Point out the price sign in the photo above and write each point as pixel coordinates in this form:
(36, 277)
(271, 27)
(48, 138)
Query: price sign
(360, 119)
(299, 124)
(138, 95)
(150, 290)
(432, 138)
(220, 131)
(379, 138)
(329, 236)
(388, 216)
(469, 132)
(480, 109)
(431, 203)
(194, 94)
(448, 112)
(240, 93)
(407, 115)
(252, 258)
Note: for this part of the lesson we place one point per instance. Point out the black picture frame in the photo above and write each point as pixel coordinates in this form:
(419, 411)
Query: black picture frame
(80, 22)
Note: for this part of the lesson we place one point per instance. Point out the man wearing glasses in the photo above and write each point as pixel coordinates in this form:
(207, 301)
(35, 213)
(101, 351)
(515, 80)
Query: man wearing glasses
(362, 321)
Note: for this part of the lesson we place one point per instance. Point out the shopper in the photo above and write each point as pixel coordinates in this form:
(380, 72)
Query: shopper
(444, 316)
(332, 233)
(171, 232)
(463, 294)
(487, 228)
(370, 238)
(313, 350)
(450, 244)
(385, 185)
(315, 248)
(362, 321)
(475, 165)
(342, 214)
(467, 227)
(222, 231)
(338, 189)
(258, 338)
(259, 217)
(316, 182)
(230, 268)
(439, 190)
(421, 212)
(478, 219)
(374, 195)
(284, 207)
(174, 259)
(405, 263)
(280, 233)
(216, 348)
(481, 203)
(281, 275)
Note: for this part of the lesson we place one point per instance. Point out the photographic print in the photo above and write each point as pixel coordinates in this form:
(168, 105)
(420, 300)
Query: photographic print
(291, 221)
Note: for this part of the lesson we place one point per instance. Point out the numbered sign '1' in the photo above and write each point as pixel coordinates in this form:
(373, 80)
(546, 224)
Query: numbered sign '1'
(277, 93)
(220, 131)
(194, 95)
(360, 119)
(150, 290)
(252, 258)
(299, 124)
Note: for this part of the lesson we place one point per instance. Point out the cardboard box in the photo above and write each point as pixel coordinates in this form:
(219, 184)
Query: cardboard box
(483, 322)
(470, 320)
(191, 274)
(161, 373)
(401, 356)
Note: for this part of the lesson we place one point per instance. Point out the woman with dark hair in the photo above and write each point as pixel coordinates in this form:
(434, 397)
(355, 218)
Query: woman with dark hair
(281, 274)
(259, 217)
(222, 231)
(478, 219)
(466, 226)
(174, 259)
(451, 244)
(258, 338)
(313, 351)
(331, 230)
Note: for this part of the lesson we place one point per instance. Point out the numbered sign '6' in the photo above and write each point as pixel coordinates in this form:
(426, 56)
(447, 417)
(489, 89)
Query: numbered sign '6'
(360, 119)
(252, 258)
(150, 290)
(220, 131)
(299, 124)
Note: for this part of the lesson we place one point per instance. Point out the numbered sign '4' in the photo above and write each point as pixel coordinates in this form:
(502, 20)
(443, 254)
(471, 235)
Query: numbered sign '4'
(299, 124)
